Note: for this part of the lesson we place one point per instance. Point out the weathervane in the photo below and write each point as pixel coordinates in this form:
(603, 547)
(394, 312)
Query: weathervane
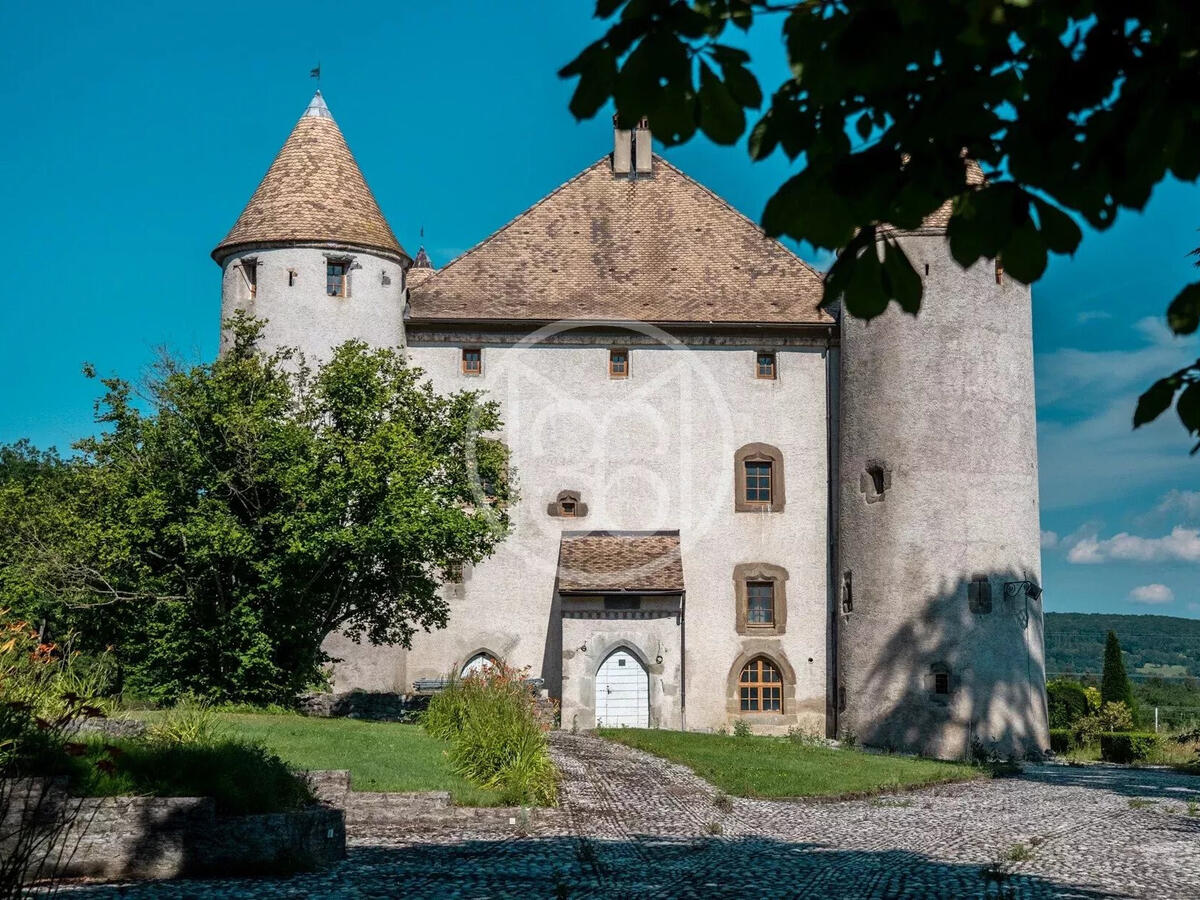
(316, 73)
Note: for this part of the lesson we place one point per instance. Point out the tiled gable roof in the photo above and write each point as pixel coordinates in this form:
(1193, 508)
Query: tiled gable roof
(659, 248)
(313, 192)
(620, 561)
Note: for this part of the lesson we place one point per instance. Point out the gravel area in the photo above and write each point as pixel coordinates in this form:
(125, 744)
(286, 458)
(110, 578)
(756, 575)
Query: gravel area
(633, 825)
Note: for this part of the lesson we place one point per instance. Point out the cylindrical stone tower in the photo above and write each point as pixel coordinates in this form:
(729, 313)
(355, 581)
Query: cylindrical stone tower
(313, 256)
(311, 253)
(939, 615)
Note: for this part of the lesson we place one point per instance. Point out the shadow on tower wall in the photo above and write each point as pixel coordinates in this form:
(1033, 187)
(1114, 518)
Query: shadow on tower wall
(993, 664)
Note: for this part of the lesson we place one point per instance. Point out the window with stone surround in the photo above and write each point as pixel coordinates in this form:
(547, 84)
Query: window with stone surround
(760, 687)
(761, 597)
(758, 479)
(765, 365)
(336, 284)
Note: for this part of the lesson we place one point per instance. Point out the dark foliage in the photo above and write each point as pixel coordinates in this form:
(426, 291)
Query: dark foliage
(1075, 110)
(1067, 703)
(1114, 682)
(1128, 746)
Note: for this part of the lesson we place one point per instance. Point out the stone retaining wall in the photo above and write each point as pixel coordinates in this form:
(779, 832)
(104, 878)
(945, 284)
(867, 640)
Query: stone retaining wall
(116, 838)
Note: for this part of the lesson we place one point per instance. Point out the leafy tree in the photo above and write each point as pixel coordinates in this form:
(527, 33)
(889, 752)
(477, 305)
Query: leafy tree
(1067, 702)
(253, 507)
(1074, 109)
(1114, 683)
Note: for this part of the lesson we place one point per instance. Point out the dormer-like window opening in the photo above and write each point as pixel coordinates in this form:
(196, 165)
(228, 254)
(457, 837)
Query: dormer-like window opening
(472, 361)
(765, 367)
(335, 278)
(618, 363)
(250, 273)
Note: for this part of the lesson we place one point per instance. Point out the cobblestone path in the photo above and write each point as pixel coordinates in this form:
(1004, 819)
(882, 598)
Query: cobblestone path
(632, 825)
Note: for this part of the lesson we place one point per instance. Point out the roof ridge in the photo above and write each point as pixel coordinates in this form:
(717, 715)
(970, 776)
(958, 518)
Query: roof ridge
(737, 212)
(507, 225)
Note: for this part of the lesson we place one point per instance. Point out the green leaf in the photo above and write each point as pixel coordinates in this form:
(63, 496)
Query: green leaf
(1059, 230)
(742, 86)
(718, 114)
(597, 70)
(762, 138)
(1025, 254)
(1155, 401)
(1188, 407)
(903, 282)
(1183, 315)
(605, 8)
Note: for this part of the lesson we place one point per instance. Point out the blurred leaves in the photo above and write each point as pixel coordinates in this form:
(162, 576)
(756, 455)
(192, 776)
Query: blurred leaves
(1072, 110)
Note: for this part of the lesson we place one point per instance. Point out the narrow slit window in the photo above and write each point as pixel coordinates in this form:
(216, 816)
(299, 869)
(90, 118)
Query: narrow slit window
(335, 279)
(941, 682)
(618, 363)
(250, 270)
(760, 603)
(472, 361)
(758, 482)
(765, 367)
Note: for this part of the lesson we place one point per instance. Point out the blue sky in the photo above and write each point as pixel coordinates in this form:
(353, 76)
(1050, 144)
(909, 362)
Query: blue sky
(136, 133)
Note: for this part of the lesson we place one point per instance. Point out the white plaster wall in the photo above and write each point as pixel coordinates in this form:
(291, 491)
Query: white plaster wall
(654, 451)
(303, 315)
(946, 402)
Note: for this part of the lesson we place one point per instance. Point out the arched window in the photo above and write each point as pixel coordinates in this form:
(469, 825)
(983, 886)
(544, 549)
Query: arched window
(761, 686)
(567, 505)
(478, 665)
(758, 479)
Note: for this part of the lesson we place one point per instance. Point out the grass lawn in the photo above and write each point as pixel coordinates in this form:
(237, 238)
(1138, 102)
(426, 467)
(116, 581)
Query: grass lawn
(381, 756)
(754, 766)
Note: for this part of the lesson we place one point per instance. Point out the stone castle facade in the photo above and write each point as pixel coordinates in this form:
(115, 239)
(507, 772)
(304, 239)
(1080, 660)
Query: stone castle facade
(733, 505)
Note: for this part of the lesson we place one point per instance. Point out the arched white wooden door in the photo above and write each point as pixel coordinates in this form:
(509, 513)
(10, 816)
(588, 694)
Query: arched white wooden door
(622, 692)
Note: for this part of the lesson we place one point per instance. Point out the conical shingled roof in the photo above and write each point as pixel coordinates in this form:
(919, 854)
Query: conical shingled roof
(314, 192)
(661, 248)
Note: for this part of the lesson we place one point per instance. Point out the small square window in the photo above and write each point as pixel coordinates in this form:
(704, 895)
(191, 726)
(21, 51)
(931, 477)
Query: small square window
(758, 481)
(566, 509)
(618, 363)
(335, 279)
(472, 361)
(941, 682)
(765, 367)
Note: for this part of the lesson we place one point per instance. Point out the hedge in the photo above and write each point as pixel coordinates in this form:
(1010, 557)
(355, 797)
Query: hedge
(1128, 746)
(1062, 740)
(1067, 702)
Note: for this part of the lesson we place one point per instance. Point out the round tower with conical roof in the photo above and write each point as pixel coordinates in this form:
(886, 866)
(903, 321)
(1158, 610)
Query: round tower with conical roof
(312, 253)
(939, 617)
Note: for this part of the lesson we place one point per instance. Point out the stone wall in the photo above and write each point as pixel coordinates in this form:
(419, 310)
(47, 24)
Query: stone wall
(116, 838)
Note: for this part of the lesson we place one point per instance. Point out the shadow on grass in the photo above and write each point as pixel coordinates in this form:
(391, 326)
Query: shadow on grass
(648, 865)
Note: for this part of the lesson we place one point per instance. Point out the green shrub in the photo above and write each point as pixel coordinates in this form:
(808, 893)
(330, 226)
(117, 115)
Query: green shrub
(1128, 746)
(188, 722)
(1067, 702)
(1062, 740)
(495, 738)
(741, 728)
(242, 777)
(1111, 717)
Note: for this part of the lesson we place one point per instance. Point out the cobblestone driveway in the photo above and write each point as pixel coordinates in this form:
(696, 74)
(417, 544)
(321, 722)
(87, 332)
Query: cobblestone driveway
(636, 826)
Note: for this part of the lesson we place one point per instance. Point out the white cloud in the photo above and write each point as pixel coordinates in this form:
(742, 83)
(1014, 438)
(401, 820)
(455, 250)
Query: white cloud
(1049, 540)
(1181, 545)
(1092, 315)
(1088, 450)
(1152, 594)
(1177, 501)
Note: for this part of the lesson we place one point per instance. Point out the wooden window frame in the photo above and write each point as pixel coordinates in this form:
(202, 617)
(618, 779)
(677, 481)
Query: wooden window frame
(758, 365)
(979, 595)
(249, 267)
(467, 370)
(344, 263)
(758, 453)
(747, 574)
(612, 372)
(765, 676)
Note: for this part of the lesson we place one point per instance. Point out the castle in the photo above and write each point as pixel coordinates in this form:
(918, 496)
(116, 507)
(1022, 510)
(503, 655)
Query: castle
(734, 506)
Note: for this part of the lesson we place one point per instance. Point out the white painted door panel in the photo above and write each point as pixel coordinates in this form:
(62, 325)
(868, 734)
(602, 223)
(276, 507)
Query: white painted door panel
(622, 692)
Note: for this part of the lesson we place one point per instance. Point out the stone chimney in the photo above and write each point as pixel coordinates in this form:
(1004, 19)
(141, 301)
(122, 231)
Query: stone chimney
(631, 149)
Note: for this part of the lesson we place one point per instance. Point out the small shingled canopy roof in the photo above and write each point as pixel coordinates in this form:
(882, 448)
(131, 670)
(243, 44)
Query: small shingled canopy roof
(609, 562)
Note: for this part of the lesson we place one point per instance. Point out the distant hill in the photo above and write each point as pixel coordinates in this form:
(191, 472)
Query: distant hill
(1162, 646)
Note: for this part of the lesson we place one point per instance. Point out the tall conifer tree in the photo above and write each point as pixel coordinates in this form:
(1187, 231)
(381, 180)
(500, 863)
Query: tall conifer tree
(1114, 683)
